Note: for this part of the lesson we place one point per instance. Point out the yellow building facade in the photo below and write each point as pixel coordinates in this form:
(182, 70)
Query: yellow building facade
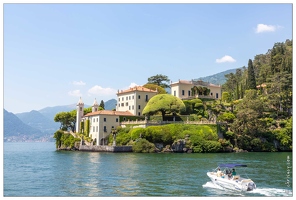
(134, 99)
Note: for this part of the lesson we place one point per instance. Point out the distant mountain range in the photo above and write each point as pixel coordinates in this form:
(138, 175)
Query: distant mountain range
(40, 126)
(39, 121)
(15, 130)
(219, 78)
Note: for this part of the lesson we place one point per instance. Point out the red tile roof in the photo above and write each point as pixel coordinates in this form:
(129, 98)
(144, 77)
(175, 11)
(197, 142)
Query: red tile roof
(137, 88)
(109, 112)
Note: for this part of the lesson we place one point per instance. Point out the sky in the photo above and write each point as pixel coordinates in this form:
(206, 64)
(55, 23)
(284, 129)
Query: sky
(53, 54)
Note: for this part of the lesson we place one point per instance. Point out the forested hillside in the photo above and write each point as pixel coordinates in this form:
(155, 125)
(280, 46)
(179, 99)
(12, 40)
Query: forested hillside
(260, 97)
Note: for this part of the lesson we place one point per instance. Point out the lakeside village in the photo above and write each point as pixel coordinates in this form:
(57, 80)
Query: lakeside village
(100, 124)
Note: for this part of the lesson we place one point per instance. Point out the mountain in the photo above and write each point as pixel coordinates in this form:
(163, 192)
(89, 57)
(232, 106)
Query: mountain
(110, 104)
(39, 121)
(219, 78)
(15, 130)
(50, 112)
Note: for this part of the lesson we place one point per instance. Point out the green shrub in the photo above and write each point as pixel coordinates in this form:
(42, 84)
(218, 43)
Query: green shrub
(229, 135)
(197, 149)
(143, 146)
(122, 138)
(212, 146)
(136, 133)
(256, 144)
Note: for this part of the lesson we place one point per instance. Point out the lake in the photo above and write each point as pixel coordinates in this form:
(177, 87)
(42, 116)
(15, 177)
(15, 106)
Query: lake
(38, 170)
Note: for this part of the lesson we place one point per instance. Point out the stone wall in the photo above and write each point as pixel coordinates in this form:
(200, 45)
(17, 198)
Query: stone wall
(105, 148)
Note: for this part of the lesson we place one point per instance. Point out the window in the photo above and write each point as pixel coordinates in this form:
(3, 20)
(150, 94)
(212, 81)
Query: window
(183, 92)
(216, 95)
(122, 98)
(122, 104)
(189, 93)
(211, 93)
(116, 119)
(105, 119)
(133, 107)
(118, 99)
(97, 119)
(105, 129)
(94, 120)
(146, 99)
(139, 113)
(174, 92)
(126, 104)
(129, 97)
(126, 98)
(139, 106)
(94, 129)
(119, 105)
(133, 97)
(129, 107)
(139, 96)
(97, 128)
(80, 108)
(112, 126)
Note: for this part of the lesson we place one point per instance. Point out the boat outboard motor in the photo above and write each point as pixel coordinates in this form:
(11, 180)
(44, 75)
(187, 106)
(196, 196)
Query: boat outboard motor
(251, 186)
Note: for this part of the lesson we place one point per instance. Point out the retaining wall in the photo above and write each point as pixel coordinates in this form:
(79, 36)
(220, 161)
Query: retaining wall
(105, 148)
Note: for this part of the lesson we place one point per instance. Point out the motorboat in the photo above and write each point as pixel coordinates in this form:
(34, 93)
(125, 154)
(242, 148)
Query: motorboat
(223, 177)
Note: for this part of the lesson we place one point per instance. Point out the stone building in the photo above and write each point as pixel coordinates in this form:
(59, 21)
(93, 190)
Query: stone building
(195, 89)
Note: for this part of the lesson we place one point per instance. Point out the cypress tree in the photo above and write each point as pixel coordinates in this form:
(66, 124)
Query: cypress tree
(251, 76)
(237, 91)
(102, 104)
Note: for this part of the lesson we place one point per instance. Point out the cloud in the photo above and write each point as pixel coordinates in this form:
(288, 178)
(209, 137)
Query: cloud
(78, 83)
(75, 93)
(98, 90)
(225, 58)
(266, 28)
(132, 85)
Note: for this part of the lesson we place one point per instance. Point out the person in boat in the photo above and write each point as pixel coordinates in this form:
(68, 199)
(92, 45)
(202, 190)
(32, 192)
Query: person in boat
(228, 172)
(233, 172)
(219, 173)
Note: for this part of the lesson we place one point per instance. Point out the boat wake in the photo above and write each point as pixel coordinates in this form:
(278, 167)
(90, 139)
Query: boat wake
(270, 192)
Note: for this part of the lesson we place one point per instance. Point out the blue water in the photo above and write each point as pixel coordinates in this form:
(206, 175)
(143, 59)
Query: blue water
(38, 170)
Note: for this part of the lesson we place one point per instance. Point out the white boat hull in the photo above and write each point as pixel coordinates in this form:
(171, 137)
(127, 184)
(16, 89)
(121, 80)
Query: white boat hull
(235, 183)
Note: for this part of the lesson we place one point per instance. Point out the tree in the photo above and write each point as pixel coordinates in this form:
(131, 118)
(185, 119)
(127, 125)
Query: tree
(160, 90)
(164, 103)
(67, 120)
(251, 75)
(160, 80)
(58, 135)
(225, 97)
(226, 117)
(102, 105)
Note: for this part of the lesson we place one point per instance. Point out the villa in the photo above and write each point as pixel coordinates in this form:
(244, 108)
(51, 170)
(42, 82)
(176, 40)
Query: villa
(195, 89)
(130, 103)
